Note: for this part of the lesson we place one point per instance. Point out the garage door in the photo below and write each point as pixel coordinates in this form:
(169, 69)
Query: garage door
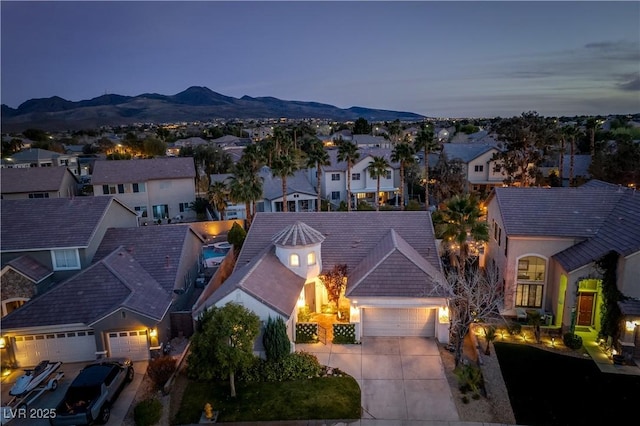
(71, 346)
(399, 322)
(132, 344)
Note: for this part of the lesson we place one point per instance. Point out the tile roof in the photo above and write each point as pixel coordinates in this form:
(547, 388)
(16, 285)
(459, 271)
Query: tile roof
(158, 249)
(265, 279)
(32, 179)
(557, 212)
(297, 234)
(619, 232)
(337, 166)
(30, 268)
(369, 140)
(393, 268)
(272, 186)
(630, 307)
(465, 152)
(116, 281)
(349, 236)
(119, 171)
(35, 154)
(50, 222)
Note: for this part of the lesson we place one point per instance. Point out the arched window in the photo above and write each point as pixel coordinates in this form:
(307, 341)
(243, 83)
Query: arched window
(530, 281)
(311, 259)
(294, 260)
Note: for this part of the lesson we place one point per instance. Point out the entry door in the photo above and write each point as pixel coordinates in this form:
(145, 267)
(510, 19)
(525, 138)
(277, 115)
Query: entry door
(585, 308)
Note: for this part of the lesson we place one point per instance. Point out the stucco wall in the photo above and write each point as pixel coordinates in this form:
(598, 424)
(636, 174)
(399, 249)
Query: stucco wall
(629, 271)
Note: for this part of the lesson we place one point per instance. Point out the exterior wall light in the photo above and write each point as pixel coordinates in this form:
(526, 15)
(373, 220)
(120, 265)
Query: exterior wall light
(3, 343)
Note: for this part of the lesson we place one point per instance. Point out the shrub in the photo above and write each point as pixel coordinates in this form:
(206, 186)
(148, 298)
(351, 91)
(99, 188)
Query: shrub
(469, 378)
(160, 370)
(344, 333)
(515, 328)
(295, 366)
(275, 339)
(236, 236)
(306, 332)
(413, 205)
(304, 314)
(147, 412)
(572, 341)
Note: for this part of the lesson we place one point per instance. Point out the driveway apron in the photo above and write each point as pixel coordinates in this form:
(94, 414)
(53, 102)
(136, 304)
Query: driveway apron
(401, 378)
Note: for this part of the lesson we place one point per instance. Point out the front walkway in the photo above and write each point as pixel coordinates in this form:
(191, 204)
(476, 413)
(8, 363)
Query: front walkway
(401, 378)
(601, 358)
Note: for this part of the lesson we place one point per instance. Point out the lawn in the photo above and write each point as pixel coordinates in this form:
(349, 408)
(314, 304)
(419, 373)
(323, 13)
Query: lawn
(317, 398)
(551, 389)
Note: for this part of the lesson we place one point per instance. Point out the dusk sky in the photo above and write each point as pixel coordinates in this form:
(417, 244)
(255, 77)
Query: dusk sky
(439, 59)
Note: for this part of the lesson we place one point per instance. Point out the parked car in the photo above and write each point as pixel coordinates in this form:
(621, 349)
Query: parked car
(89, 397)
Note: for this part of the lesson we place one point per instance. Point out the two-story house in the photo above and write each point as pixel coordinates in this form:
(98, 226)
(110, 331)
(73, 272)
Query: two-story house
(36, 157)
(37, 182)
(159, 189)
(481, 172)
(547, 244)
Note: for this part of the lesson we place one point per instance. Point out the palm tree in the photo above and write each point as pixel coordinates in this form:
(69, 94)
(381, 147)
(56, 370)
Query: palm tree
(424, 141)
(284, 166)
(378, 168)
(348, 151)
(402, 153)
(592, 126)
(459, 221)
(572, 133)
(245, 187)
(317, 157)
(218, 193)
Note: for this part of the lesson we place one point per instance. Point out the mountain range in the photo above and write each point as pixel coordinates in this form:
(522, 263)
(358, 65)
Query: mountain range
(194, 104)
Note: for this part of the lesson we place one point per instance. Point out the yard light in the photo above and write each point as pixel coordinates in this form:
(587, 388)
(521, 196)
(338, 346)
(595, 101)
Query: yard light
(553, 341)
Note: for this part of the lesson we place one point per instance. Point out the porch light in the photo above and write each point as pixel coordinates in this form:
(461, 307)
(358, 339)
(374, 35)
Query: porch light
(630, 325)
(3, 343)
(153, 332)
(443, 314)
(300, 302)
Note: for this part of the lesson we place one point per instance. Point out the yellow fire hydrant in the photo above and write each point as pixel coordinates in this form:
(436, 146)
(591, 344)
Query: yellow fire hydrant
(208, 411)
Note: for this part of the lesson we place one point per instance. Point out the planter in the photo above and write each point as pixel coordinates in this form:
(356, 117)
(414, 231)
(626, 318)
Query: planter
(205, 421)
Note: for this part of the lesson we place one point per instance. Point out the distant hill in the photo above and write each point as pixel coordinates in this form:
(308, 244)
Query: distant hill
(194, 104)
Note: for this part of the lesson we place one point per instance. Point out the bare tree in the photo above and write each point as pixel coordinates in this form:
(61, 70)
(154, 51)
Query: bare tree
(473, 297)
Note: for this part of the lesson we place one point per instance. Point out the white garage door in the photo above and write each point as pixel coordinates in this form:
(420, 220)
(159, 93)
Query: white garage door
(132, 344)
(399, 322)
(71, 346)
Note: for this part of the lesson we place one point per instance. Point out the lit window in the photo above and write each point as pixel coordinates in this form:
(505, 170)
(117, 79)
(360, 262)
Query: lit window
(530, 284)
(311, 259)
(294, 260)
(65, 259)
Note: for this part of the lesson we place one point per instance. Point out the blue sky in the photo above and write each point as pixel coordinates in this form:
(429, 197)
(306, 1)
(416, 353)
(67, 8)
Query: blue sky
(441, 59)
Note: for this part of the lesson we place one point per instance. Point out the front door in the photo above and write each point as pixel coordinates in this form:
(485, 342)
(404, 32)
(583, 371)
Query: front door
(585, 308)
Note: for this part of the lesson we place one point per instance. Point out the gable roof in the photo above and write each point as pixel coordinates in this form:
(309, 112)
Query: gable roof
(32, 179)
(119, 171)
(117, 281)
(349, 236)
(158, 249)
(35, 154)
(272, 186)
(265, 279)
(556, 212)
(619, 232)
(465, 152)
(48, 223)
(30, 268)
(379, 273)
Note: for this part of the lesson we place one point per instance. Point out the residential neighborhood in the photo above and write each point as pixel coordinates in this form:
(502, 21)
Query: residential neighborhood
(349, 239)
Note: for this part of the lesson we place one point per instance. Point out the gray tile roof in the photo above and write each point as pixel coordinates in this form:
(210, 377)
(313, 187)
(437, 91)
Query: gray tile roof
(272, 186)
(349, 236)
(35, 154)
(297, 234)
(115, 282)
(30, 268)
(265, 279)
(50, 222)
(630, 307)
(369, 140)
(619, 232)
(556, 212)
(159, 249)
(341, 166)
(393, 268)
(120, 171)
(465, 152)
(32, 179)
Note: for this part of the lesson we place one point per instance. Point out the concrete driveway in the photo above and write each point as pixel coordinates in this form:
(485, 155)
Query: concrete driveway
(50, 399)
(401, 378)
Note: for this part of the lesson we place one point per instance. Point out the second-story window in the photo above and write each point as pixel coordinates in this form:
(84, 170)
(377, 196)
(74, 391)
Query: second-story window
(355, 176)
(335, 176)
(138, 187)
(387, 174)
(294, 260)
(479, 168)
(311, 259)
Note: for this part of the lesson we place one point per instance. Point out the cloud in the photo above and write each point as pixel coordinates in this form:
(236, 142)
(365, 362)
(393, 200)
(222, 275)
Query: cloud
(632, 85)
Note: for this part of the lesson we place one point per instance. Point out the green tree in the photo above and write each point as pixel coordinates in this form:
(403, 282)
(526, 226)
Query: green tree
(403, 153)
(223, 343)
(36, 135)
(11, 146)
(361, 127)
(619, 164)
(450, 178)
(153, 147)
(592, 125)
(283, 167)
(245, 187)
(348, 151)
(275, 339)
(425, 142)
(218, 194)
(458, 222)
(317, 157)
(377, 169)
(572, 133)
(335, 282)
(200, 207)
(236, 236)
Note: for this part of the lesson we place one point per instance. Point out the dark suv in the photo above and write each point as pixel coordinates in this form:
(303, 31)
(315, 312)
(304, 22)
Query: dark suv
(91, 394)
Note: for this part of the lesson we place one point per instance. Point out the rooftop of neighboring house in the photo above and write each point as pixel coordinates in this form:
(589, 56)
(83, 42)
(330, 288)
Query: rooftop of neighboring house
(35, 154)
(158, 249)
(117, 281)
(119, 171)
(193, 141)
(369, 140)
(30, 268)
(465, 152)
(364, 153)
(47, 223)
(32, 179)
(272, 186)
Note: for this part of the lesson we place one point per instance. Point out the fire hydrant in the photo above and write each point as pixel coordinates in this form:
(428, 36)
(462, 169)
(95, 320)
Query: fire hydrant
(208, 411)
